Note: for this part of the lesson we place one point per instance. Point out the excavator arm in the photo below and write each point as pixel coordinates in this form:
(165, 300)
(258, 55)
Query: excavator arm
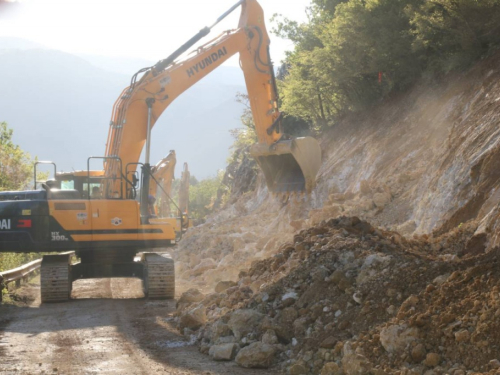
(163, 172)
(184, 191)
(288, 165)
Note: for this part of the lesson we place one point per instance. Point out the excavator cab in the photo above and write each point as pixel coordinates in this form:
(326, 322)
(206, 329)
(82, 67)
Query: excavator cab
(290, 165)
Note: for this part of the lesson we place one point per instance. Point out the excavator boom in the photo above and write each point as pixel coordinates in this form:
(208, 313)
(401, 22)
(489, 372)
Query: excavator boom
(288, 165)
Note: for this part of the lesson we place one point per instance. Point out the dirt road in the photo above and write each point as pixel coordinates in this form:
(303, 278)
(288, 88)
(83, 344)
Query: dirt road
(108, 328)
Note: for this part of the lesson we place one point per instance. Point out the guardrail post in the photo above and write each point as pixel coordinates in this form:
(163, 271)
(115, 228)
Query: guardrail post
(1, 288)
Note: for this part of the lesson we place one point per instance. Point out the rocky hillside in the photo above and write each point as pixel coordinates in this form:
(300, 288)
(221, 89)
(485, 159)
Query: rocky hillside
(413, 294)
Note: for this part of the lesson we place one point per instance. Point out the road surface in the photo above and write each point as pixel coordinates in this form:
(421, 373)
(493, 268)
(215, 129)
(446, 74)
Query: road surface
(107, 328)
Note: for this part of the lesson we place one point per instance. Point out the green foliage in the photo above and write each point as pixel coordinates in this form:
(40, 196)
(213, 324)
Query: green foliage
(453, 33)
(353, 53)
(202, 196)
(15, 164)
(10, 261)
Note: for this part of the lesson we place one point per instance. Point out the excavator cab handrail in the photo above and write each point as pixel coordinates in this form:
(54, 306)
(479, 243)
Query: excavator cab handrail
(34, 173)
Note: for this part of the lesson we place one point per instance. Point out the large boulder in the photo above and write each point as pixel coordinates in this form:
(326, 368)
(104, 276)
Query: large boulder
(193, 319)
(244, 321)
(256, 355)
(219, 329)
(190, 296)
(224, 352)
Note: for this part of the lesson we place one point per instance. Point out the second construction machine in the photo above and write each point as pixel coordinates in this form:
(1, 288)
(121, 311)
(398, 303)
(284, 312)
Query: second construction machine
(96, 214)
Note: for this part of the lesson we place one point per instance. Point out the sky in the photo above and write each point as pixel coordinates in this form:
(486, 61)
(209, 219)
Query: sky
(148, 29)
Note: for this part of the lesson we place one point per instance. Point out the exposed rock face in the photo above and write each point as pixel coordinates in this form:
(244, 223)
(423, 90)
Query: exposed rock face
(256, 355)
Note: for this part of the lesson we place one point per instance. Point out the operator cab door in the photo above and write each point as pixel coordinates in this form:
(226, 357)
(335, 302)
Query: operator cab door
(113, 219)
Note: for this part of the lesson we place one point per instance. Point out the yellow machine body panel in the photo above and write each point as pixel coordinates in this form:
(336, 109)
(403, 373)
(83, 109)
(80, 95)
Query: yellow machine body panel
(74, 216)
(107, 220)
(114, 219)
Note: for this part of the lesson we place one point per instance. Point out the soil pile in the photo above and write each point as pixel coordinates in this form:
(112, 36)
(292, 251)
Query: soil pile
(346, 297)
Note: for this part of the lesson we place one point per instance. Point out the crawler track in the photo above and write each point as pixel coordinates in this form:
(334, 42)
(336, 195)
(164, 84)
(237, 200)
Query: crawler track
(55, 278)
(159, 280)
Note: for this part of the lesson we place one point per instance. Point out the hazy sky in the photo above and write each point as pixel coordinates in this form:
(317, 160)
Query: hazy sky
(149, 29)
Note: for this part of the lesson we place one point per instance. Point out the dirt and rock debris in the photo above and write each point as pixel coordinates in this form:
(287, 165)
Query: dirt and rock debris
(389, 266)
(347, 298)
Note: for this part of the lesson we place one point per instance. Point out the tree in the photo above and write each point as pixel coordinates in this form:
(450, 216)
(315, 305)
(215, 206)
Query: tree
(353, 53)
(15, 172)
(451, 34)
(202, 196)
(15, 164)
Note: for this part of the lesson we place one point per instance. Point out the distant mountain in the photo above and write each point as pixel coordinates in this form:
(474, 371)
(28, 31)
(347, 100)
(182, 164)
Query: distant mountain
(18, 43)
(59, 106)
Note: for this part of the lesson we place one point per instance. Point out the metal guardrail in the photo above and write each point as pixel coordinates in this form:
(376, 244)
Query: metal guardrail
(20, 274)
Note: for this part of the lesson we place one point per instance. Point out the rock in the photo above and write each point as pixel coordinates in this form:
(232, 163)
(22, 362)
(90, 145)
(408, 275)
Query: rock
(256, 355)
(223, 285)
(418, 353)
(288, 315)
(226, 340)
(270, 337)
(243, 322)
(494, 364)
(190, 296)
(381, 199)
(441, 279)
(407, 227)
(331, 368)
(357, 297)
(289, 299)
(193, 319)
(298, 369)
(219, 329)
(224, 352)
(432, 360)
(336, 276)
(462, 335)
(205, 265)
(329, 342)
(395, 338)
(354, 363)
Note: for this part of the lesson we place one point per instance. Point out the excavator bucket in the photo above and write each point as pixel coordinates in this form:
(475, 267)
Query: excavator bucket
(289, 166)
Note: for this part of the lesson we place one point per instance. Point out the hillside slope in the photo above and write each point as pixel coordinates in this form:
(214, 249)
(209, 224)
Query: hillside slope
(342, 296)
(420, 163)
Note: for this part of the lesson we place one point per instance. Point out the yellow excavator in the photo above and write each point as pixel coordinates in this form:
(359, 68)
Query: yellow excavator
(96, 213)
(162, 176)
(183, 206)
